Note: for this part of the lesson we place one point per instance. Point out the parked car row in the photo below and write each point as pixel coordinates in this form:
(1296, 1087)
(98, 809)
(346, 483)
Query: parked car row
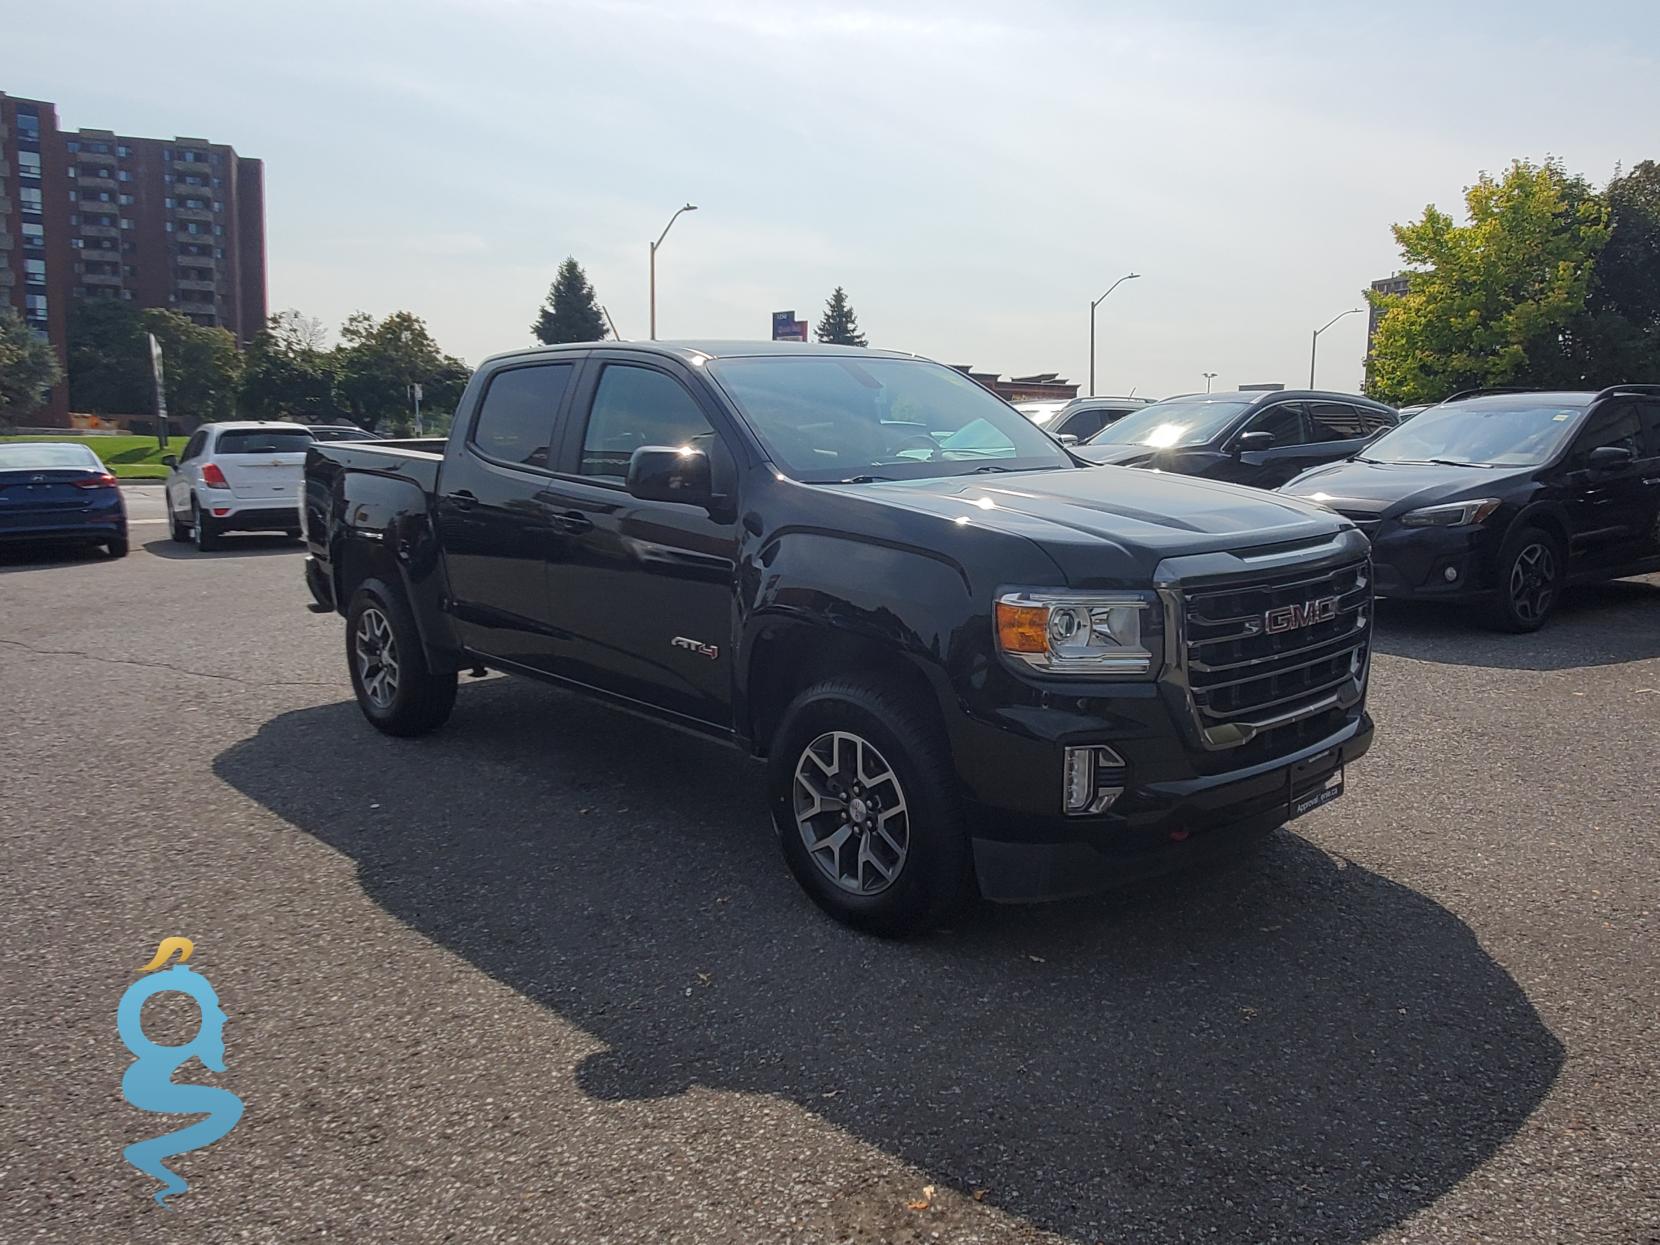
(1499, 498)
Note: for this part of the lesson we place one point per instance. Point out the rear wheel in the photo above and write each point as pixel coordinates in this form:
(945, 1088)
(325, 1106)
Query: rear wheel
(1527, 581)
(396, 690)
(203, 530)
(865, 802)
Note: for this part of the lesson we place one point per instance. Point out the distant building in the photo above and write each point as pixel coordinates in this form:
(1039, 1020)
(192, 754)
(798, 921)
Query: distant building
(1035, 388)
(173, 223)
(1397, 284)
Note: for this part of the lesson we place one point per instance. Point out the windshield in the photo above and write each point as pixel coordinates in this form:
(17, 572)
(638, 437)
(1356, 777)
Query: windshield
(1489, 433)
(26, 456)
(832, 418)
(263, 441)
(1166, 425)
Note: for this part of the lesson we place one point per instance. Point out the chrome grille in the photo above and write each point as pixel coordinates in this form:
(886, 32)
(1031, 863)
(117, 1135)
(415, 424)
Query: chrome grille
(1245, 678)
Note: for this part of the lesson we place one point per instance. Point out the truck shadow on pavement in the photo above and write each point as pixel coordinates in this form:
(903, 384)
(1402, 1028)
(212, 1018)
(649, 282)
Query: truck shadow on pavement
(1292, 1047)
(1594, 625)
(236, 545)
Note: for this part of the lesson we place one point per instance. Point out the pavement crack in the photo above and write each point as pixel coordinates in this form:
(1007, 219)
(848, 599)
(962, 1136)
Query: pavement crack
(167, 666)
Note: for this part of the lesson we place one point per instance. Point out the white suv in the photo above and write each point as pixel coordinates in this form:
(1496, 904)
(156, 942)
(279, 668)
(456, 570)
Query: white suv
(242, 477)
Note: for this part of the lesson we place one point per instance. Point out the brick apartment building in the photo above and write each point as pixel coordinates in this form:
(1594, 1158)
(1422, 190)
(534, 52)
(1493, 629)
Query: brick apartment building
(174, 223)
(1396, 284)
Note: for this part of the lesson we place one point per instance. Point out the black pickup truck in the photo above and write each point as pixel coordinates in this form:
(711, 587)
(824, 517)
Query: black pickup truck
(971, 664)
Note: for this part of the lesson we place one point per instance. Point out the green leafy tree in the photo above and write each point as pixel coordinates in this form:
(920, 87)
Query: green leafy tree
(1625, 297)
(571, 313)
(109, 359)
(839, 325)
(202, 366)
(109, 362)
(286, 372)
(378, 360)
(1500, 300)
(28, 367)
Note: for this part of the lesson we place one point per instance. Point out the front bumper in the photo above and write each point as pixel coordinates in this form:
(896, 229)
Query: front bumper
(1155, 827)
(1414, 563)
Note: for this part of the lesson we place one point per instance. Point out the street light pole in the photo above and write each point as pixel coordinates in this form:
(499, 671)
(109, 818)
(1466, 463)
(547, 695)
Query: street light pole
(1314, 344)
(1209, 376)
(690, 207)
(1129, 276)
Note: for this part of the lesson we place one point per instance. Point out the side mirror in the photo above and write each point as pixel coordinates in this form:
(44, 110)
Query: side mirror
(1610, 458)
(1066, 438)
(170, 461)
(1250, 442)
(667, 473)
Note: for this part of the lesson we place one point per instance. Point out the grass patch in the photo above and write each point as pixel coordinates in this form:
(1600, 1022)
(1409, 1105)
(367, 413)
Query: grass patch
(128, 458)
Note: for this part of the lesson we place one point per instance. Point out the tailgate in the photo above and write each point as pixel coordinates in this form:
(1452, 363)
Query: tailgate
(255, 476)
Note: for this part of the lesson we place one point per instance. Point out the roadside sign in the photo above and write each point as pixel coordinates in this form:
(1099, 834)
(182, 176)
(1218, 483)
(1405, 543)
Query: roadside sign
(161, 390)
(786, 328)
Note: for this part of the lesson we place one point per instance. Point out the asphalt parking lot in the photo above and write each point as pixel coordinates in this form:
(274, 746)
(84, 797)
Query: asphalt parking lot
(543, 977)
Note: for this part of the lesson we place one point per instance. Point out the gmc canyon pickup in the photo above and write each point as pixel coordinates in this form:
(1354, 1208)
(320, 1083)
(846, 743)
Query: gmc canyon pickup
(971, 664)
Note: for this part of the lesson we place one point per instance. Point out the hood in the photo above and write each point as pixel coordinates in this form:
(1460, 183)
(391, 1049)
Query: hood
(1386, 489)
(1115, 455)
(1110, 523)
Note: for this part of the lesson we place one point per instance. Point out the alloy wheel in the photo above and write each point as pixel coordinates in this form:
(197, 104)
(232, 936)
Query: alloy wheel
(377, 658)
(1533, 582)
(851, 812)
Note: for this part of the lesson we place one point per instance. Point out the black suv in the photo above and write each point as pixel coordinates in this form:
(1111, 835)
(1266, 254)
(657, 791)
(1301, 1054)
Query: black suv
(1504, 497)
(1261, 439)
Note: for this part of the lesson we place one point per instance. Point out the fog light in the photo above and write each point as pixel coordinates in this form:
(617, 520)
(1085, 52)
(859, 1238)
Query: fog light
(1450, 574)
(1092, 779)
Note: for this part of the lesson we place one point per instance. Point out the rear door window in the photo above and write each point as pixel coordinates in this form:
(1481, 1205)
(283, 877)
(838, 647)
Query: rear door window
(1334, 421)
(263, 441)
(516, 420)
(1648, 415)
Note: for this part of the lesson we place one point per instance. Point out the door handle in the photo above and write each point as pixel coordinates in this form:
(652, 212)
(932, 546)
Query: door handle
(461, 499)
(574, 522)
(1651, 479)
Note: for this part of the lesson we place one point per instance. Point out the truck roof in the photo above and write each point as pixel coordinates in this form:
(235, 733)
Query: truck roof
(709, 349)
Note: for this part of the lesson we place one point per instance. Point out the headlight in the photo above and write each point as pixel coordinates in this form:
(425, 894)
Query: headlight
(1088, 633)
(1455, 514)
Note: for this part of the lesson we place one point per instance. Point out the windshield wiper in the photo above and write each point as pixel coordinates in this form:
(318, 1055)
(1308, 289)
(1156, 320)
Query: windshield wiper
(864, 479)
(1453, 462)
(987, 467)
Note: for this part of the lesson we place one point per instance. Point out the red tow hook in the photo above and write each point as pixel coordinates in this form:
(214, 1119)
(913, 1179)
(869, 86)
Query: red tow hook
(1177, 836)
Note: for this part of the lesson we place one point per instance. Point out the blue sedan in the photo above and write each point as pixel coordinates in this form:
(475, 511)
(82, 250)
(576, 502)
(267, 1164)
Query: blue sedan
(60, 492)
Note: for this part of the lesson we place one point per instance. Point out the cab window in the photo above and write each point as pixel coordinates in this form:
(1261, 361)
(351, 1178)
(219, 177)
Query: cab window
(1616, 424)
(1284, 420)
(634, 407)
(516, 418)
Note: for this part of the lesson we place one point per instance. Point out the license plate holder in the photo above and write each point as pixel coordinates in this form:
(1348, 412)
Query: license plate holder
(1325, 789)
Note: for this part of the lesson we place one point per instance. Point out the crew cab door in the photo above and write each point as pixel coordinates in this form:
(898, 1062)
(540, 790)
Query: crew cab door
(1612, 513)
(644, 597)
(497, 536)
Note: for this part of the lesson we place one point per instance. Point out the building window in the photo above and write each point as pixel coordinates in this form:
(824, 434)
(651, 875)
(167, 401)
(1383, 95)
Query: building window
(28, 163)
(74, 195)
(126, 200)
(219, 252)
(76, 243)
(218, 231)
(72, 145)
(29, 197)
(123, 151)
(126, 224)
(168, 226)
(28, 122)
(34, 269)
(124, 175)
(168, 202)
(35, 305)
(127, 294)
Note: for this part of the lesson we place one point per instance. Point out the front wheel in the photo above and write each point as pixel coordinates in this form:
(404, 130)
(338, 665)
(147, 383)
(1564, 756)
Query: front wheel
(1527, 581)
(395, 689)
(865, 801)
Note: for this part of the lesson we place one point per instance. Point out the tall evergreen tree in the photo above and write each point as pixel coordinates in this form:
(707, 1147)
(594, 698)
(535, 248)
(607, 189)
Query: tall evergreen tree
(838, 325)
(571, 313)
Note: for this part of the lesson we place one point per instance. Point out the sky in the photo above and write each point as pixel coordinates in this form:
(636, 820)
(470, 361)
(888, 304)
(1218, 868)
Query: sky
(973, 174)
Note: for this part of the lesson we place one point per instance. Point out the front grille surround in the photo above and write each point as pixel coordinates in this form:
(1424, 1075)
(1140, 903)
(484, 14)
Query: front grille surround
(1243, 685)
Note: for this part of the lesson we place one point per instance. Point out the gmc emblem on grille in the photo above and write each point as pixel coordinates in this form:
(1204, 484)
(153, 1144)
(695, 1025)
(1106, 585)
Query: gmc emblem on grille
(1291, 617)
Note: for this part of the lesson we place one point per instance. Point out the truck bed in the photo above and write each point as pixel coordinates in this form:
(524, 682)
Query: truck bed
(415, 459)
